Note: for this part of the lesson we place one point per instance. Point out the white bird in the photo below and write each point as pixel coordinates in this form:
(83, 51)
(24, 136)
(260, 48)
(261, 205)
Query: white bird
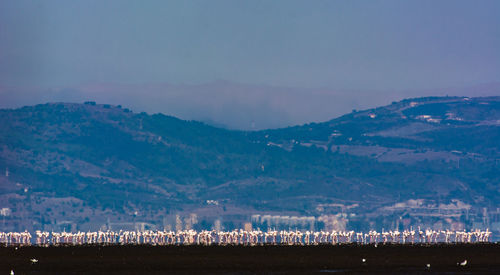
(34, 260)
(363, 260)
(463, 263)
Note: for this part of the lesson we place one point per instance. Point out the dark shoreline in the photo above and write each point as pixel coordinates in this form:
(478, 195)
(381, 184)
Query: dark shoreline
(140, 259)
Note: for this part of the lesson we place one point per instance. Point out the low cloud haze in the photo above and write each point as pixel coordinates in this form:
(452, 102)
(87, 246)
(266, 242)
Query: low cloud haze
(231, 105)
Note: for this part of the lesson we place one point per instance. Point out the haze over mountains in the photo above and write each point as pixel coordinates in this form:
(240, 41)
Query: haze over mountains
(229, 104)
(93, 164)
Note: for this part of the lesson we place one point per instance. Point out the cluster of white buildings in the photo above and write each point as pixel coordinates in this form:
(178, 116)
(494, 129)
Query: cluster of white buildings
(5, 211)
(283, 222)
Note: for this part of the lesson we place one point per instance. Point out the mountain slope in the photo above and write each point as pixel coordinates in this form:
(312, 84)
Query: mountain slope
(89, 164)
(468, 125)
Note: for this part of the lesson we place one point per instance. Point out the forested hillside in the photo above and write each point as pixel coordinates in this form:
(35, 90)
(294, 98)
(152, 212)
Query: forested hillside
(91, 163)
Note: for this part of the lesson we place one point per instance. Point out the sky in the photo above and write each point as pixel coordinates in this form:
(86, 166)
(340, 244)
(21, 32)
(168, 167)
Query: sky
(353, 53)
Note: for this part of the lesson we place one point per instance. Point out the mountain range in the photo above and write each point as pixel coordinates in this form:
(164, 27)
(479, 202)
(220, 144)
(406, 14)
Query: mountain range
(92, 164)
(229, 104)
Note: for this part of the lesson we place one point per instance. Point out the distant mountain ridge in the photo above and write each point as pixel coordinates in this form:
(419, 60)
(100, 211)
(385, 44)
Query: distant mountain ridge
(229, 104)
(91, 164)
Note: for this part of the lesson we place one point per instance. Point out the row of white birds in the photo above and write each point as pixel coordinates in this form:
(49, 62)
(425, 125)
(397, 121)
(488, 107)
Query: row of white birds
(242, 237)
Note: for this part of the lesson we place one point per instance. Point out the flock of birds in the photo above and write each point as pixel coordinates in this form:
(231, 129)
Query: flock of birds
(242, 237)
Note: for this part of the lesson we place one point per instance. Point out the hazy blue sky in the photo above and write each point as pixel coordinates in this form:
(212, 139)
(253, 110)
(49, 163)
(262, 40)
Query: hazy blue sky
(340, 44)
(345, 45)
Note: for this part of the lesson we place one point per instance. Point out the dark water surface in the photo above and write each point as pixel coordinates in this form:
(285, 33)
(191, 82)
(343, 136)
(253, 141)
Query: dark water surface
(322, 259)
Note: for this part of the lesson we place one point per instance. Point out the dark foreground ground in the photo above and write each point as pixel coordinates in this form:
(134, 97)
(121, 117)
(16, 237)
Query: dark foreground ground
(383, 259)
